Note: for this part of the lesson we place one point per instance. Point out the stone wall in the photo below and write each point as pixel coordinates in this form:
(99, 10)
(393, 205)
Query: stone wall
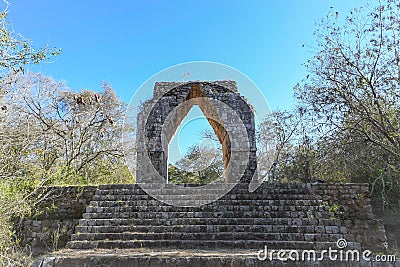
(54, 218)
(351, 204)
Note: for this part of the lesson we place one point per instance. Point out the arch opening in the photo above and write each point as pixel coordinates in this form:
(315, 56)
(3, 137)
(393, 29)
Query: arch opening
(195, 153)
(201, 164)
(226, 111)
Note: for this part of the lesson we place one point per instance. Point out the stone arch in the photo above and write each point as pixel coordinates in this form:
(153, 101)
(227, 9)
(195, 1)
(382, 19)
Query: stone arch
(162, 115)
(197, 97)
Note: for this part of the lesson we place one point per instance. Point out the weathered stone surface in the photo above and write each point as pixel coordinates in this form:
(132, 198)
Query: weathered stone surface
(234, 258)
(275, 212)
(279, 216)
(57, 215)
(228, 113)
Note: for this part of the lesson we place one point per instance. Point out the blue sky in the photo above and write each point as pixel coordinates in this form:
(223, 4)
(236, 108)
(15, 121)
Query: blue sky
(126, 42)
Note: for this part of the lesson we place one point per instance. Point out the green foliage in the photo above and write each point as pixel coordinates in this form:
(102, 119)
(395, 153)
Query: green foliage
(13, 204)
(17, 175)
(177, 176)
(49, 135)
(334, 208)
(104, 172)
(351, 98)
(57, 136)
(16, 51)
(199, 166)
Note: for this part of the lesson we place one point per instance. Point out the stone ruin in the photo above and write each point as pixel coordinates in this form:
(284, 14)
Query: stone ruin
(279, 216)
(228, 113)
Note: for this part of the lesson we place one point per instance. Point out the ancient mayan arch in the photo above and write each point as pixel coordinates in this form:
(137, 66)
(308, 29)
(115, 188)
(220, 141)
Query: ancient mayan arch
(228, 113)
(286, 216)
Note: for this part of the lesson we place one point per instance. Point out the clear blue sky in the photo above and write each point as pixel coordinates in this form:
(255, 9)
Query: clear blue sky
(125, 42)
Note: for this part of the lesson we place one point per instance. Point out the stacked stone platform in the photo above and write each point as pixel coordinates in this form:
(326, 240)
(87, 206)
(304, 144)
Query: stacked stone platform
(183, 258)
(280, 216)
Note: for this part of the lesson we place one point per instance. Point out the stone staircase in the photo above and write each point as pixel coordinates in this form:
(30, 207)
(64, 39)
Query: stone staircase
(280, 216)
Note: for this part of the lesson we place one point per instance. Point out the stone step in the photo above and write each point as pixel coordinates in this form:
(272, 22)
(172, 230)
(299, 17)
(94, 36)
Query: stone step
(234, 236)
(260, 226)
(241, 188)
(128, 207)
(139, 191)
(211, 222)
(221, 193)
(152, 214)
(203, 244)
(284, 217)
(220, 204)
(272, 194)
(238, 197)
(134, 212)
(271, 198)
(281, 187)
(167, 186)
(192, 258)
(117, 197)
(169, 191)
(148, 214)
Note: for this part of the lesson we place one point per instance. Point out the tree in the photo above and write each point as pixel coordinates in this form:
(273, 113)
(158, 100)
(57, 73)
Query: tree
(286, 150)
(200, 165)
(275, 136)
(16, 51)
(352, 91)
(17, 133)
(76, 132)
